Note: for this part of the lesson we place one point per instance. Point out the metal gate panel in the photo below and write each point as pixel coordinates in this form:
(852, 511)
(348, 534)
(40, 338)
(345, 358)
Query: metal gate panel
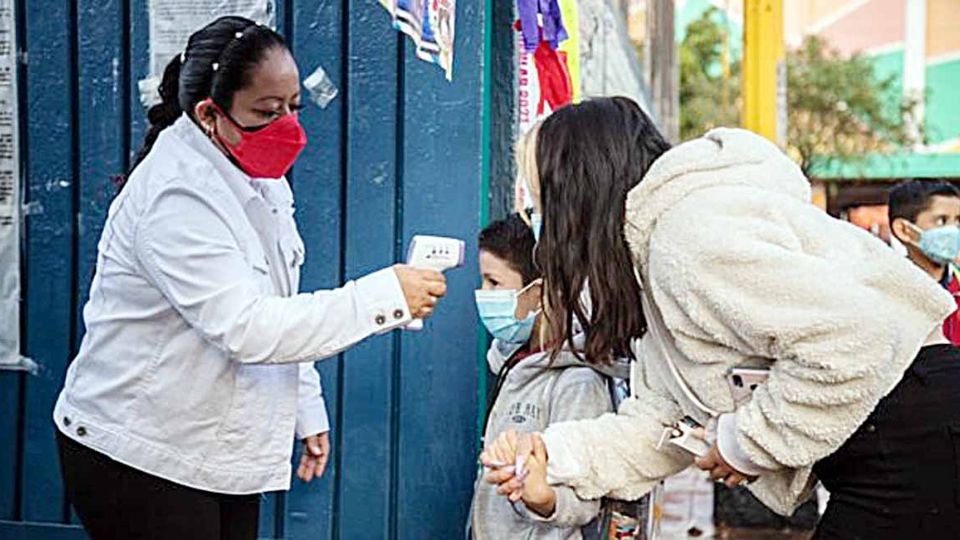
(397, 153)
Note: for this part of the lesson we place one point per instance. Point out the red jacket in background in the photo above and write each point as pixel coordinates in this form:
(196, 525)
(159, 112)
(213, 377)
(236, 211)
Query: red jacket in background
(951, 326)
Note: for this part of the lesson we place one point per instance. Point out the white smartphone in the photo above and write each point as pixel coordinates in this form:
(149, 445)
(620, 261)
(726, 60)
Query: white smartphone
(743, 381)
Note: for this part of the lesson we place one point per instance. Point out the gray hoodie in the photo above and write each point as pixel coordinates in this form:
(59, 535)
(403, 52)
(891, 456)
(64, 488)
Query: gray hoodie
(534, 394)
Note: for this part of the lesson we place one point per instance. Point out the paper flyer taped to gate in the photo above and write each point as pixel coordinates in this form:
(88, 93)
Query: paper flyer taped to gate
(10, 201)
(172, 22)
(408, 17)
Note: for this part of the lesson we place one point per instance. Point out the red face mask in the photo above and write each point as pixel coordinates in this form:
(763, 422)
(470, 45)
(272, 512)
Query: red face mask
(266, 151)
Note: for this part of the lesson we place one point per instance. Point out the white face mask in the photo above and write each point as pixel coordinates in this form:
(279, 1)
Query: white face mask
(536, 223)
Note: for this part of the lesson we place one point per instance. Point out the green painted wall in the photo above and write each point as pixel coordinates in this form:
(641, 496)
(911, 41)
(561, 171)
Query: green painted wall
(942, 112)
(942, 115)
(943, 104)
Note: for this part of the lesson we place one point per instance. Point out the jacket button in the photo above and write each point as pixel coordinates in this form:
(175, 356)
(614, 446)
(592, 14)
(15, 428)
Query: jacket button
(398, 314)
(81, 431)
(66, 421)
(871, 428)
(380, 320)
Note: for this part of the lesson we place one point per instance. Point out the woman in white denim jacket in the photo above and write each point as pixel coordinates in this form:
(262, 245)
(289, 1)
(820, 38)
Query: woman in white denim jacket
(717, 242)
(196, 369)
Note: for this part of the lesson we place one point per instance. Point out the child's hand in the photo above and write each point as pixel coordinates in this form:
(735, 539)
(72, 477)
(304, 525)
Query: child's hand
(537, 494)
(505, 464)
(501, 453)
(518, 467)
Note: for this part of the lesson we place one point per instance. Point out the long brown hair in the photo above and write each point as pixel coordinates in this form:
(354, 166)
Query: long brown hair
(589, 156)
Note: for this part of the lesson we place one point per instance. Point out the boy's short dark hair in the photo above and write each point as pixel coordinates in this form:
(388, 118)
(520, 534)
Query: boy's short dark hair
(512, 240)
(909, 199)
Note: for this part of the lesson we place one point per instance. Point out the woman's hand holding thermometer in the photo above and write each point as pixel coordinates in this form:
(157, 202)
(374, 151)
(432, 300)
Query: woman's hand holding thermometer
(421, 289)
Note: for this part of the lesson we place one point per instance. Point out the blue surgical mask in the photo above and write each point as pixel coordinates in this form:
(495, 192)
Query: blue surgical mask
(941, 244)
(498, 312)
(536, 223)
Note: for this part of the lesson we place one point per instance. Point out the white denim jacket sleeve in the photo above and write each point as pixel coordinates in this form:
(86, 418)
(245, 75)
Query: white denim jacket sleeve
(312, 416)
(188, 250)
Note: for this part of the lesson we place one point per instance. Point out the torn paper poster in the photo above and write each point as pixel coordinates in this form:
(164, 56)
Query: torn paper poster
(10, 201)
(430, 24)
(408, 18)
(321, 88)
(437, 38)
(390, 6)
(149, 91)
(172, 22)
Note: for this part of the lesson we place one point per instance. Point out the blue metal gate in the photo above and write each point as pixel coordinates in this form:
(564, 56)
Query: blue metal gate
(399, 152)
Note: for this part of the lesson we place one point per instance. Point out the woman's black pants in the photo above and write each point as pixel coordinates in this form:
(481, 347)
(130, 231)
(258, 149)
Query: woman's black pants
(898, 477)
(114, 501)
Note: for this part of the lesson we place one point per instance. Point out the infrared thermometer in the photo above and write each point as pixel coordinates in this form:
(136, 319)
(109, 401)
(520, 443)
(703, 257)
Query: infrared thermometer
(434, 253)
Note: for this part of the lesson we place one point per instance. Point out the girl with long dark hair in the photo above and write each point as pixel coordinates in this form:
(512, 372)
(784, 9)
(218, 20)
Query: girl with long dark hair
(707, 258)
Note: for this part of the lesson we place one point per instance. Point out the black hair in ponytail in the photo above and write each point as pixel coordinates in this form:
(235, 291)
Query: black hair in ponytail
(218, 61)
(163, 114)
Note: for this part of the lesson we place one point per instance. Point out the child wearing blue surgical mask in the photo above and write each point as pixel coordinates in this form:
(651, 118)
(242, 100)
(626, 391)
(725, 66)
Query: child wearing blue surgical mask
(533, 390)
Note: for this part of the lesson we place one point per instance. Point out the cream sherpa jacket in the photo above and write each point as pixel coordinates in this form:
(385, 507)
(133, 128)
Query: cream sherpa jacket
(745, 271)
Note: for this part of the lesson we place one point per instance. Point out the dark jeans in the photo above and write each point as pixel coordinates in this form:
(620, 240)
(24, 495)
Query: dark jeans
(115, 501)
(898, 477)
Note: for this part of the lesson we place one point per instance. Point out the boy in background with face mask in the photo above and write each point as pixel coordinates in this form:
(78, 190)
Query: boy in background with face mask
(925, 217)
(532, 390)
